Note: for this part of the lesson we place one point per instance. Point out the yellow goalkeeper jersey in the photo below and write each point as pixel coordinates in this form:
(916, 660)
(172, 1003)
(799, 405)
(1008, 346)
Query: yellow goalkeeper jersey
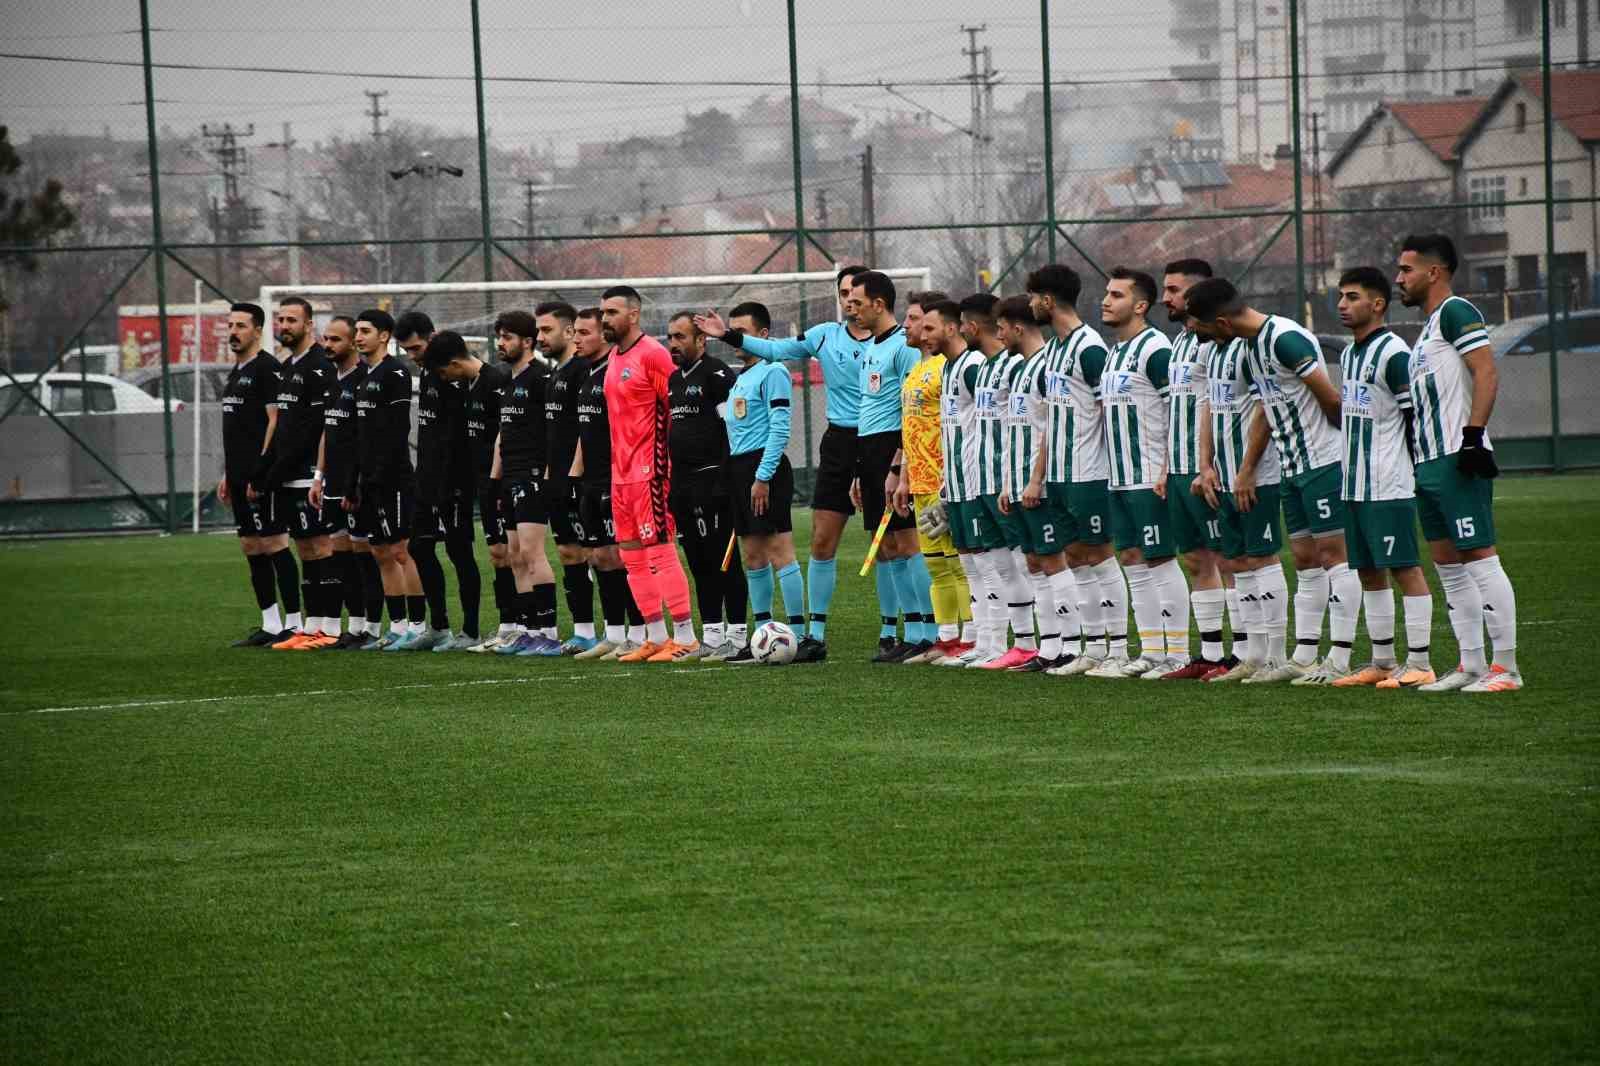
(919, 425)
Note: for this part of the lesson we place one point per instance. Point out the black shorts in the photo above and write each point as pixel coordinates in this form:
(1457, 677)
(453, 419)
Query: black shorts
(596, 526)
(385, 514)
(258, 518)
(700, 507)
(304, 521)
(877, 455)
(490, 516)
(561, 501)
(527, 503)
(837, 466)
(739, 473)
(347, 522)
(449, 520)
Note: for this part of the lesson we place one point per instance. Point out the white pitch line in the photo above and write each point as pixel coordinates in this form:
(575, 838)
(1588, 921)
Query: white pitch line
(178, 701)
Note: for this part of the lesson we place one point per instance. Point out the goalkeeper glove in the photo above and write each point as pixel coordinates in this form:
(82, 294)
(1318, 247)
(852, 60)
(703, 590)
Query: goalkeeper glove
(933, 521)
(1475, 459)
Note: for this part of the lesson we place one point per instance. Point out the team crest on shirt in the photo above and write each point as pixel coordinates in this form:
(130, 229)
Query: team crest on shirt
(874, 381)
(741, 407)
(627, 372)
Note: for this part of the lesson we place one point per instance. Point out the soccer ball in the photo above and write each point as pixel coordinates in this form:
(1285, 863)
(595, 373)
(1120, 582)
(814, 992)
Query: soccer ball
(774, 644)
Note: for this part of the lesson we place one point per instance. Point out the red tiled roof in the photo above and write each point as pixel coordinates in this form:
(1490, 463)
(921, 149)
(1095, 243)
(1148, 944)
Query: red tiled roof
(1574, 99)
(1439, 124)
(1148, 237)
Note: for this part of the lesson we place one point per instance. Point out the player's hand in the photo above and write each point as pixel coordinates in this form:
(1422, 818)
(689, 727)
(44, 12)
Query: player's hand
(315, 495)
(1160, 485)
(711, 324)
(901, 498)
(1205, 486)
(1475, 459)
(1033, 495)
(251, 494)
(1244, 488)
(349, 504)
(759, 493)
(1004, 499)
(855, 493)
(222, 490)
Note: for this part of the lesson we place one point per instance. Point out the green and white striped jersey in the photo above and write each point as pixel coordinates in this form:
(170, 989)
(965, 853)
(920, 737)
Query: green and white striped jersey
(1077, 441)
(958, 425)
(1375, 396)
(1233, 402)
(1441, 383)
(993, 396)
(1186, 398)
(1284, 353)
(1027, 420)
(1134, 390)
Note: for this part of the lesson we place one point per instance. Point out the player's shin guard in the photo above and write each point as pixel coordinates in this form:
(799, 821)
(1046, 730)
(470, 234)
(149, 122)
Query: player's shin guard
(288, 585)
(1172, 589)
(469, 583)
(1146, 611)
(332, 594)
(1044, 608)
(371, 590)
(944, 591)
(760, 581)
(1239, 631)
(311, 593)
(354, 595)
(425, 554)
(888, 600)
(972, 616)
(1091, 612)
(794, 594)
(1419, 628)
(1379, 605)
(505, 597)
(1248, 618)
(1019, 598)
(674, 587)
(615, 601)
(1344, 610)
(821, 576)
(922, 586)
(266, 594)
(1064, 587)
(1207, 605)
(1272, 592)
(1113, 604)
(905, 594)
(1499, 608)
(579, 589)
(1464, 602)
(1310, 602)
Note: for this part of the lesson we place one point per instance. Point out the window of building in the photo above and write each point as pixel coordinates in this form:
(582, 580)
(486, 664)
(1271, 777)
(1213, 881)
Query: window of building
(1522, 188)
(1488, 198)
(1521, 122)
(1524, 16)
(1558, 14)
(1563, 212)
(1205, 52)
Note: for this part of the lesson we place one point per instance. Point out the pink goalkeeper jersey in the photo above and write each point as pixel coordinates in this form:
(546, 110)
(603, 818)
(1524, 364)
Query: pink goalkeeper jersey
(636, 403)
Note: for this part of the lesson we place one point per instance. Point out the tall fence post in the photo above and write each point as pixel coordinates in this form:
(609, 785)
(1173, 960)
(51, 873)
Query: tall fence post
(1049, 132)
(1301, 305)
(1550, 280)
(799, 215)
(483, 159)
(159, 248)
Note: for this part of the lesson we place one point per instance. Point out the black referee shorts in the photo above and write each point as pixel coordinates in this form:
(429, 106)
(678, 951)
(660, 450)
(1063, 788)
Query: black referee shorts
(739, 474)
(877, 456)
(837, 466)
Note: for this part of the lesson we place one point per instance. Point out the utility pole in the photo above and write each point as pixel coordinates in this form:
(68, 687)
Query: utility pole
(377, 114)
(291, 210)
(531, 190)
(1318, 248)
(869, 208)
(644, 199)
(231, 217)
(822, 208)
(982, 100)
(429, 170)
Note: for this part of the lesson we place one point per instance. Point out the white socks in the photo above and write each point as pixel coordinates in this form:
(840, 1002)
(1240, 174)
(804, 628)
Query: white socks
(1146, 611)
(1247, 616)
(712, 634)
(1344, 609)
(656, 632)
(1044, 606)
(990, 609)
(1113, 604)
(1172, 591)
(1018, 598)
(616, 634)
(1464, 602)
(683, 632)
(973, 627)
(1272, 593)
(1379, 605)
(1208, 606)
(272, 619)
(1499, 608)
(636, 634)
(1419, 628)
(1310, 602)
(1065, 589)
(1090, 614)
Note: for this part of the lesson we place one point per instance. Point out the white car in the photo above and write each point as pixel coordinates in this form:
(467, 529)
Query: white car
(65, 393)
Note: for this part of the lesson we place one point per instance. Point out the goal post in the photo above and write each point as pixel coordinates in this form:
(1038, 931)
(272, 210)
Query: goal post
(795, 300)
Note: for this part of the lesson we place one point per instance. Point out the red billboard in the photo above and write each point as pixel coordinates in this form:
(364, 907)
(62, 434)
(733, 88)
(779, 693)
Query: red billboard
(139, 337)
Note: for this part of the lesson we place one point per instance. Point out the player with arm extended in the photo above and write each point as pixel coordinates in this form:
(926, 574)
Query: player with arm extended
(641, 479)
(837, 347)
(1195, 529)
(591, 470)
(249, 418)
(1454, 380)
(1024, 492)
(555, 321)
(1079, 466)
(519, 462)
(1239, 478)
(333, 489)
(759, 479)
(387, 488)
(303, 377)
(1379, 490)
(700, 503)
(1134, 393)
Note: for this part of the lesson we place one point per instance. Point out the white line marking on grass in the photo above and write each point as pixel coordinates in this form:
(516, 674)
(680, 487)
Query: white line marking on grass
(178, 701)
(1379, 772)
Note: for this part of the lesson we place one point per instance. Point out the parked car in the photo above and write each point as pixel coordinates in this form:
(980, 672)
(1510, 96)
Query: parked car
(1577, 332)
(1522, 348)
(65, 393)
(213, 381)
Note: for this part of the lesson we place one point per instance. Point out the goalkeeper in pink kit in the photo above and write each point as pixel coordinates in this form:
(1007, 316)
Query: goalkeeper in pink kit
(641, 474)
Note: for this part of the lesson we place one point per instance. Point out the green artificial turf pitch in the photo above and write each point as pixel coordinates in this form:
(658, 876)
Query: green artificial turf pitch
(209, 855)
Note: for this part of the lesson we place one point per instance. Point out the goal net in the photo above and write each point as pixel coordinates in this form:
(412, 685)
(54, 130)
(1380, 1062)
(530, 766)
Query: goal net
(795, 300)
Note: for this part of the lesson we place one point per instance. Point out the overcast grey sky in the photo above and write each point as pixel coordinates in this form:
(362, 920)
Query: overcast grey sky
(710, 42)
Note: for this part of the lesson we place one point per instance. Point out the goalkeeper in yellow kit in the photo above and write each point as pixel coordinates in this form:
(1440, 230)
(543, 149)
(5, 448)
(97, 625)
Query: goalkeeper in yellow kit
(924, 476)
